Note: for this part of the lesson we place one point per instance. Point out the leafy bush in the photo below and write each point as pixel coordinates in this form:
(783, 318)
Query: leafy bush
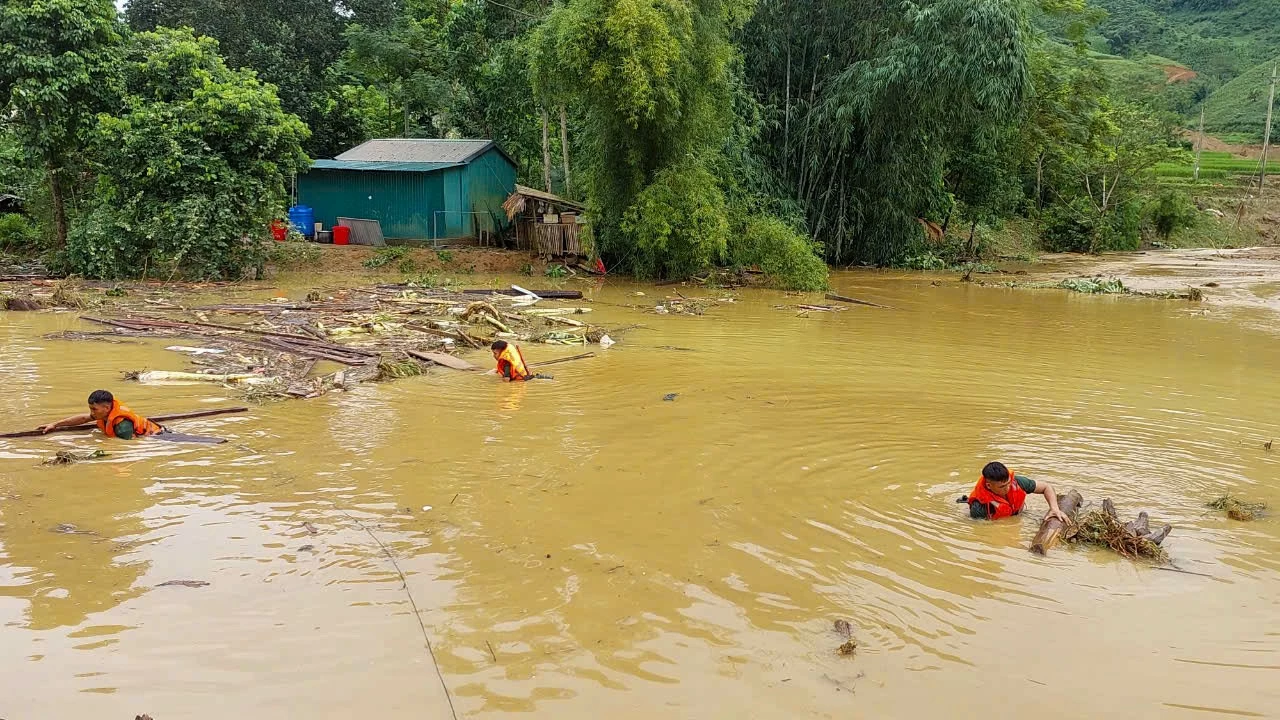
(1170, 212)
(191, 171)
(678, 222)
(790, 260)
(1076, 227)
(556, 272)
(18, 233)
(444, 256)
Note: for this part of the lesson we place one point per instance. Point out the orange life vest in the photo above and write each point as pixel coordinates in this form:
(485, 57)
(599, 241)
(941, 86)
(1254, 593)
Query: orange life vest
(511, 358)
(1007, 506)
(141, 426)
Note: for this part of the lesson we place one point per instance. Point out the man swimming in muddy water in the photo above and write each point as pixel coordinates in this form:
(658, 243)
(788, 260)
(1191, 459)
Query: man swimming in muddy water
(1001, 494)
(113, 419)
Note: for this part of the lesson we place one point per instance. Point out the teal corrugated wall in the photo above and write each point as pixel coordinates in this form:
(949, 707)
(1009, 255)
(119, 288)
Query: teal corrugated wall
(490, 180)
(415, 205)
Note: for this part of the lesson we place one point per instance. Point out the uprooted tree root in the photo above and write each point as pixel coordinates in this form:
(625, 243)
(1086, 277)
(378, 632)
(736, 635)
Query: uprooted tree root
(1238, 509)
(1133, 539)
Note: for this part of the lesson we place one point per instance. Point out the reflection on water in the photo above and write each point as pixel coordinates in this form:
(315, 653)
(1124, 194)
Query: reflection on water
(582, 548)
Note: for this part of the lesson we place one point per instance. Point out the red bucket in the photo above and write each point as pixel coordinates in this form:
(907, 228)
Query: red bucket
(341, 235)
(279, 230)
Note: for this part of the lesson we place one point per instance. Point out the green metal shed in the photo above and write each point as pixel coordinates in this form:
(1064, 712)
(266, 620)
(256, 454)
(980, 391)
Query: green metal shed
(416, 189)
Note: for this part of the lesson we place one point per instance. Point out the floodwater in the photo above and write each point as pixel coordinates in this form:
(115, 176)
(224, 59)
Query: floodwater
(582, 548)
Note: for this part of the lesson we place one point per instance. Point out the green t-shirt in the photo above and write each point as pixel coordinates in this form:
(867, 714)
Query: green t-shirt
(124, 429)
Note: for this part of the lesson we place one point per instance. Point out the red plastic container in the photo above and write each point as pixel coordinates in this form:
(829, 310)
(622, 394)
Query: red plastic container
(279, 230)
(341, 235)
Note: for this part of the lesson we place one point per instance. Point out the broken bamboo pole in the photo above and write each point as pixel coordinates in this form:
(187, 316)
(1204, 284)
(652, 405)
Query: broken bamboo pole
(153, 418)
(544, 363)
(1051, 528)
(448, 361)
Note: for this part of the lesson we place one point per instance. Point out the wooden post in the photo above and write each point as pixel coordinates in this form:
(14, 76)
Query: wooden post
(1266, 137)
(564, 150)
(1051, 528)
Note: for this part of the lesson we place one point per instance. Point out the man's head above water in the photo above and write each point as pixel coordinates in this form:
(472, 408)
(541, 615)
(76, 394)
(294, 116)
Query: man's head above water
(996, 477)
(100, 402)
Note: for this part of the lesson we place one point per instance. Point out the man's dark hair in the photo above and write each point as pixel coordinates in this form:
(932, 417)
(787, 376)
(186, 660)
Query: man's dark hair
(498, 345)
(995, 472)
(101, 397)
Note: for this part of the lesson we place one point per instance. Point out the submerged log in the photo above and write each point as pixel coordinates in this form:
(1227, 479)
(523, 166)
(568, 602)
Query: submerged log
(448, 361)
(1051, 528)
(153, 418)
(855, 301)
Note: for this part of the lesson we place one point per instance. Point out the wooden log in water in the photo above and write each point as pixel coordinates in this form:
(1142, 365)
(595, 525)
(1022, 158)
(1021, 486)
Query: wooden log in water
(570, 358)
(1051, 528)
(448, 361)
(153, 418)
(855, 301)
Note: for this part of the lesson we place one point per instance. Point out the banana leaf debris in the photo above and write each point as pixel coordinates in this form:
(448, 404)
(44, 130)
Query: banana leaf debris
(1238, 509)
(271, 351)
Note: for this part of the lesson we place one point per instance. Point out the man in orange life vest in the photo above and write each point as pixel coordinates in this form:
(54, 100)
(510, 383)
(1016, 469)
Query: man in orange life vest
(1001, 494)
(511, 363)
(113, 419)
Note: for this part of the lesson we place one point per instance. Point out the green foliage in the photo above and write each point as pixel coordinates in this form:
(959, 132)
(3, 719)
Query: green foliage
(865, 99)
(385, 256)
(294, 255)
(790, 260)
(1240, 107)
(1076, 226)
(17, 233)
(444, 256)
(678, 223)
(56, 61)
(556, 272)
(651, 79)
(1170, 212)
(1094, 286)
(526, 270)
(191, 171)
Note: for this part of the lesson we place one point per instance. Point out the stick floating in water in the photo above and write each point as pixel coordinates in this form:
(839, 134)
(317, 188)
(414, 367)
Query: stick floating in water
(154, 418)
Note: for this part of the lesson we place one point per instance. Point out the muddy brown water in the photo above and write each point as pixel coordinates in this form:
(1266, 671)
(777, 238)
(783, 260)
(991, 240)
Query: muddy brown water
(592, 550)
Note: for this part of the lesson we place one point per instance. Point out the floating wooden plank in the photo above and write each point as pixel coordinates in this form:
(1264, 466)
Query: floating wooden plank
(1051, 528)
(855, 301)
(544, 294)
(153, 418)
(545, 363)
(448, 361)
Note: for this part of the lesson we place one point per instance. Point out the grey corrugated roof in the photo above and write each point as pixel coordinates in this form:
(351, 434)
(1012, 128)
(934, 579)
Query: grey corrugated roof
(382, 166)
(415, 150)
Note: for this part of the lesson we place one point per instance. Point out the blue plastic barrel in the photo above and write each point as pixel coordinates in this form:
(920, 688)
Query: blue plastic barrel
(303, 219)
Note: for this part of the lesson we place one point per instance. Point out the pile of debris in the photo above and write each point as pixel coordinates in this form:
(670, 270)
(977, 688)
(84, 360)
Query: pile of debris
(1238, 509)
(269, 350)
(1132, 539)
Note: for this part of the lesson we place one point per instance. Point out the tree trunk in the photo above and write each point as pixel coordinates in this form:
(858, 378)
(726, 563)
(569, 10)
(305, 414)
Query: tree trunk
(546, 154)
(1051, 528)
(969, 249)
(564, 150)
(58, 196)
(1039, 181)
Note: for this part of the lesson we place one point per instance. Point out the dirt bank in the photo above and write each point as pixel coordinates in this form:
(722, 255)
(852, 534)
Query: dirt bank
(1246, 277)
(352, 259)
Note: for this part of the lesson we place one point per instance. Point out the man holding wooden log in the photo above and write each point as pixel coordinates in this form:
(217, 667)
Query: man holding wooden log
(113, 419)
(1001, 494)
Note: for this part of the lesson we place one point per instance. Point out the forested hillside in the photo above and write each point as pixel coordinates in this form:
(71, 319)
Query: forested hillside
(774, 133)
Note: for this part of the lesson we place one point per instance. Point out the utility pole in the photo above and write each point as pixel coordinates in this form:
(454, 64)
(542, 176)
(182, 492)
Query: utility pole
(564, 150)
(1266, 136)
(1199, 144)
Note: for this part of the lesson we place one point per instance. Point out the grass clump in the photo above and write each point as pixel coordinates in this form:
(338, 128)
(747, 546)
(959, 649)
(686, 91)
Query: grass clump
(397, 369)
(1237, 509)
(387, 256)
(67, 294)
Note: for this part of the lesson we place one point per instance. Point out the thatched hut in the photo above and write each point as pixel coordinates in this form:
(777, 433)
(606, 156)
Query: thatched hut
(549, 224)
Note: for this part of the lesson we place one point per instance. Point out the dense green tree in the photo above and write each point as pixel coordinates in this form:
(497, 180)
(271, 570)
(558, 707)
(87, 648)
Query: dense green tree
(193, 168)
(293, 44)
(651, 79)
(56, 59)
(866, 99)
